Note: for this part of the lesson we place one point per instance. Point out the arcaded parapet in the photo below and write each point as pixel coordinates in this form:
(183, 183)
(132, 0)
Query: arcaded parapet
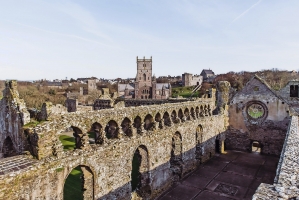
(169, 139)
(257, 116)
(13, 115)
(286, 181)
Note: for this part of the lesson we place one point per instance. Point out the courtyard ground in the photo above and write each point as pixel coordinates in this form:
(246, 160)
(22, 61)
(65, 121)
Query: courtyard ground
(234, 175)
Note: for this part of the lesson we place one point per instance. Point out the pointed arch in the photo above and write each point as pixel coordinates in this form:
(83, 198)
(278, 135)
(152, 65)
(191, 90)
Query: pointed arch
(8, 148)
(166, 118)
(112, 130)
(140, 177)
(79, 184)
(126, 126)
(176, 162)
(97, 133)
(148, 122)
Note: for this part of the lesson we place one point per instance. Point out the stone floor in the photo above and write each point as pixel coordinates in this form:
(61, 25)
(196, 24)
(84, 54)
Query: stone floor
(235, 175)
(15, 163)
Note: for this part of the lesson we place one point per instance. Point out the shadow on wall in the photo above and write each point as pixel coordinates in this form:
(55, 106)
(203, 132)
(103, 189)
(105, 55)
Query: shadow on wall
(146, 183)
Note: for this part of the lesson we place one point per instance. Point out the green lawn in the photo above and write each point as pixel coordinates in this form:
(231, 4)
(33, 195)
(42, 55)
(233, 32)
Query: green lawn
(68, 142)
(183, 91)
(72, 188)
(255, 114)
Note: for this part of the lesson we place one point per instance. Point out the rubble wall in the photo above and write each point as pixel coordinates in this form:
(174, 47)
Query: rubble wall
(268, 129)
(111, 162)
(286, 181)
(13, 115)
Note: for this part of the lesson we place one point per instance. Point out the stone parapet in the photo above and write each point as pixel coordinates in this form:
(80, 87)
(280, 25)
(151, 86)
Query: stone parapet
(287, 179)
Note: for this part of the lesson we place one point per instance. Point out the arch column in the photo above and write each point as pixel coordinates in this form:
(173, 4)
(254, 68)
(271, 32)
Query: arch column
(87, 184)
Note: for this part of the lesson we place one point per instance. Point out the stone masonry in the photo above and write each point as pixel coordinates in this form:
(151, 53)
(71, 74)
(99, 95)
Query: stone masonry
(170, 139)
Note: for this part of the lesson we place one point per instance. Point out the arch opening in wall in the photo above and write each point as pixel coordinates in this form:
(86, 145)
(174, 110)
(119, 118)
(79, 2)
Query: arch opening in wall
(137, 124)
(126, 126)
(174, 117)
(148, 122)
(176, 162)
(199, 143)
(167, 120)
(71, 138)
(256, 147)
(112, 130)
(294, 91)
(79, 184)
(8, 149)
(140, 178)
(96, 134)
(187, 114)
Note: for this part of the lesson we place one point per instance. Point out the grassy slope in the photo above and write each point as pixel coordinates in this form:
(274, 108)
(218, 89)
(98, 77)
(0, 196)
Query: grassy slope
(183, 91)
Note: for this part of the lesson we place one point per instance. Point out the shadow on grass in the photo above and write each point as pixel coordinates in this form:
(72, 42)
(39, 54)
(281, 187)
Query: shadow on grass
(68, 142)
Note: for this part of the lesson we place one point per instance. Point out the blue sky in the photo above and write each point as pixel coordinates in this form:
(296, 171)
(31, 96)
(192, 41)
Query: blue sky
(58, 39)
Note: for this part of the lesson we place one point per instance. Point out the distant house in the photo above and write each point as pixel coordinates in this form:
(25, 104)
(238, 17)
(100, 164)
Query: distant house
(208, 75)
(57, 85)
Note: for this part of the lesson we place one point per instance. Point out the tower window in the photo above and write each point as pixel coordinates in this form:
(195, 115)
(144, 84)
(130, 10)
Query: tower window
(144, 77)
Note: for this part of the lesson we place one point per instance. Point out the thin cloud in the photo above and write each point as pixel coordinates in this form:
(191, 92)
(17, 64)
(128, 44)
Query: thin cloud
(246, 11)
(65, 35)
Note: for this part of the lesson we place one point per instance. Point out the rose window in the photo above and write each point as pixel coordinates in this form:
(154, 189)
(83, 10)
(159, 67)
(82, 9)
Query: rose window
(255, 111)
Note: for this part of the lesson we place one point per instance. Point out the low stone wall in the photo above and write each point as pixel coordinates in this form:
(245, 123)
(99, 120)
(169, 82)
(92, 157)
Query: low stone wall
(287, 178)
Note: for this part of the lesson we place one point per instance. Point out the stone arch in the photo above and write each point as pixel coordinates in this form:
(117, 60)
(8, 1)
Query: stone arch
(73, 138)
(140, 176)
(8, 148)
(148, 122)
(187, 114)
(112, 130)
(193, 114)
(138, 124)
(127, 128)
(78, 134)
(174, 117)
(199, 143)
(82, 179)
(176, 161)
(98, 131)
(167, 119)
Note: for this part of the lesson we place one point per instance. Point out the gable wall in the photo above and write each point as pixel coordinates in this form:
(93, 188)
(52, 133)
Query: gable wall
(270, 131)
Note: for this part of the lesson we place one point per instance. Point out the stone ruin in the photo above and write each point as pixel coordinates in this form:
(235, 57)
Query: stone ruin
(168, 141)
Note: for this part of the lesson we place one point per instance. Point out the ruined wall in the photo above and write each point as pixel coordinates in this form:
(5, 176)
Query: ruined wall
(257, 114)
(13, 115)
(48, 110)
(286, 181)
(183, 136)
